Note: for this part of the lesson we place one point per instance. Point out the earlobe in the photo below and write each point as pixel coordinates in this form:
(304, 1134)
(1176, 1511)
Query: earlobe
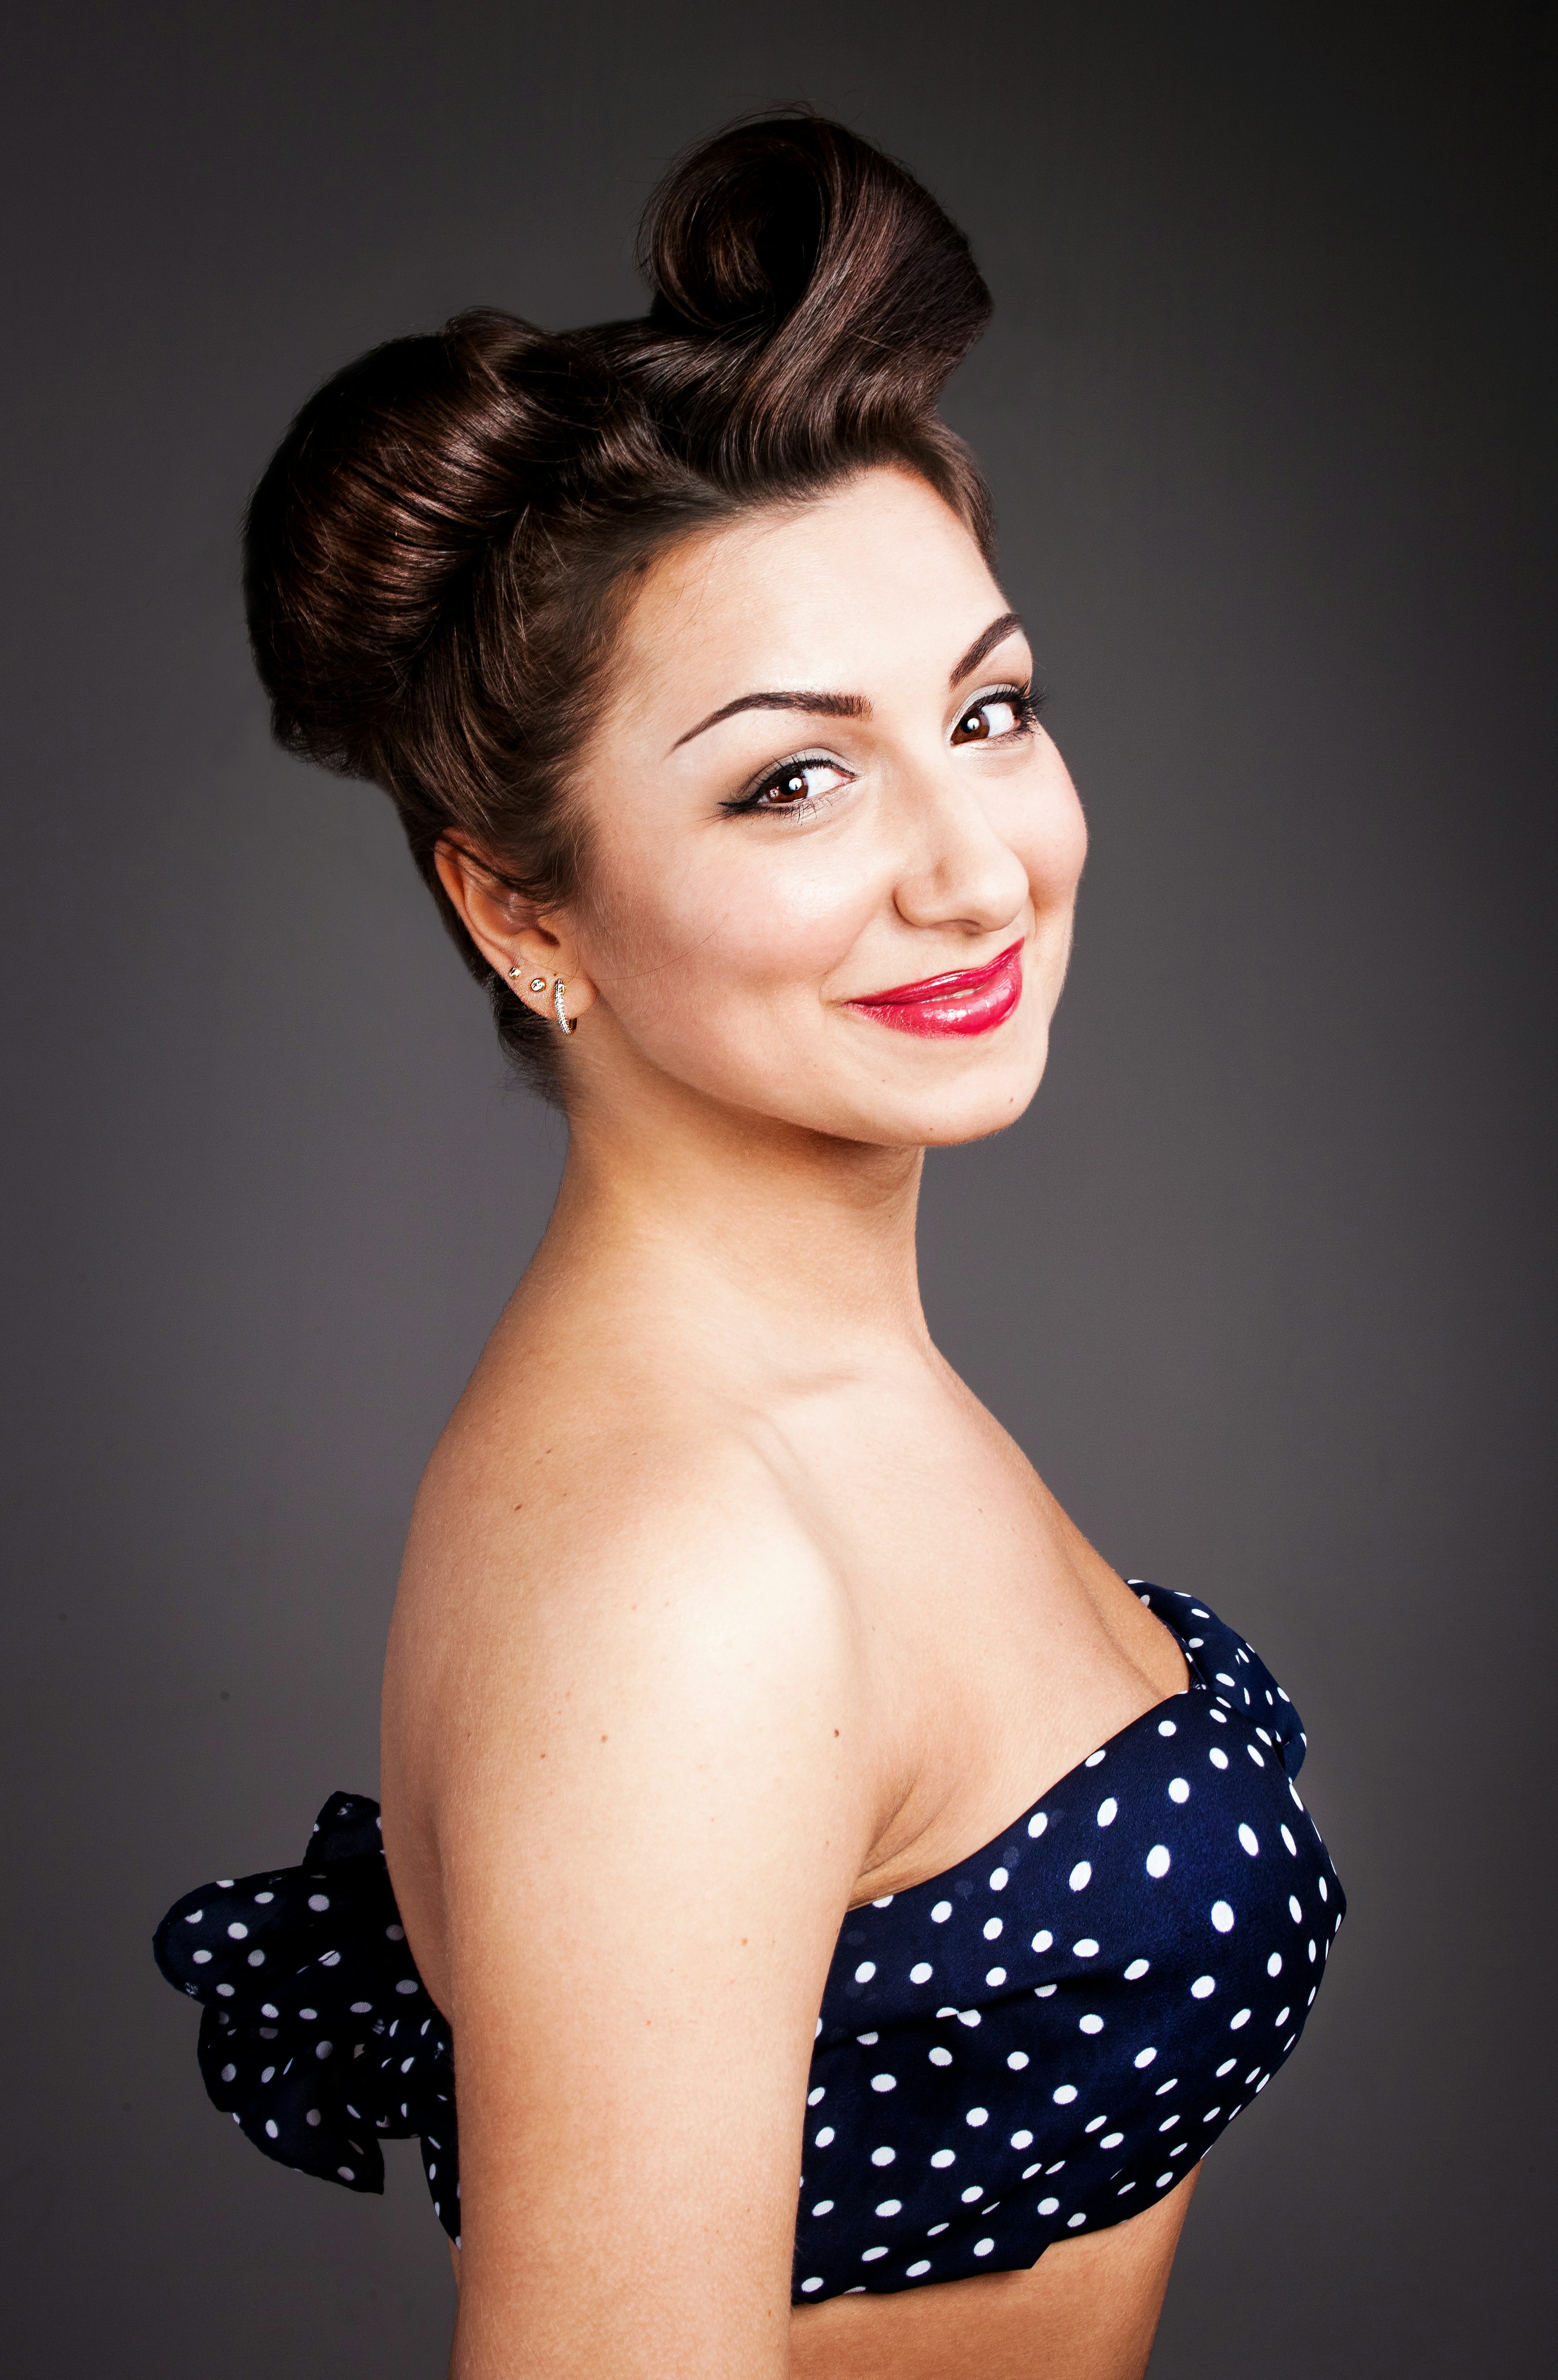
(539, 983)
(566, 1024)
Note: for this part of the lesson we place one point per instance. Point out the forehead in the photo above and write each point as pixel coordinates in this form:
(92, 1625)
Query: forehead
(874, 583)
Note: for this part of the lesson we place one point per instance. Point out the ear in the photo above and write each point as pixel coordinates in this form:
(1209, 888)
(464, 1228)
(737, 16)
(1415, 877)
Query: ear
(524, 944)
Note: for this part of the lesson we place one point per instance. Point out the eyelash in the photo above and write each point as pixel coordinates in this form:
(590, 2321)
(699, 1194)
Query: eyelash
(1025, 700)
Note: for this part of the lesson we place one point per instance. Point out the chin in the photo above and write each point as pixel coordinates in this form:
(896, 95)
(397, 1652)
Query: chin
(971, 1103)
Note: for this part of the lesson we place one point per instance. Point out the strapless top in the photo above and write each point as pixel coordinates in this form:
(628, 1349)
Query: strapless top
(1038, 2042)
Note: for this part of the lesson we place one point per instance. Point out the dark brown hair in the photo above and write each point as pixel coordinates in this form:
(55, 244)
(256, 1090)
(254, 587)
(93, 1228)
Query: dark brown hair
(438, 555)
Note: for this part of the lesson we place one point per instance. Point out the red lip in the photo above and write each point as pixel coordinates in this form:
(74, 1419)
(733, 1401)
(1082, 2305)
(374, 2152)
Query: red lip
(971, 999)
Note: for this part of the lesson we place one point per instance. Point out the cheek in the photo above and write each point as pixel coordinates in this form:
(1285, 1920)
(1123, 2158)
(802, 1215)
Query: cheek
(733, 913)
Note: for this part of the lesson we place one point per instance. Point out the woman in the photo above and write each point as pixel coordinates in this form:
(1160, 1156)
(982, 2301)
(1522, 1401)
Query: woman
(733, 1631)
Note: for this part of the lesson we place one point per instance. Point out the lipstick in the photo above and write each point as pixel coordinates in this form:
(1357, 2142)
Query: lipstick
(970, 999)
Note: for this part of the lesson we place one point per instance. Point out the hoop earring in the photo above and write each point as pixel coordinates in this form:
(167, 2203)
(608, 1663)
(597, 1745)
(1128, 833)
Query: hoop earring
(564, 1022)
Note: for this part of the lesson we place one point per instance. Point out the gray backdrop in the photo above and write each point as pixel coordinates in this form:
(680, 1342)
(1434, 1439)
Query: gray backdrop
(1261, 1283)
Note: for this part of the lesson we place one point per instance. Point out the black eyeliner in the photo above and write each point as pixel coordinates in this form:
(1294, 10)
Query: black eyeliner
(757, 786)
(1027, 701)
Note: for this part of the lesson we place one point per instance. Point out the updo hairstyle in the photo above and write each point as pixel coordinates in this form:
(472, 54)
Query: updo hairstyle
(440, 554)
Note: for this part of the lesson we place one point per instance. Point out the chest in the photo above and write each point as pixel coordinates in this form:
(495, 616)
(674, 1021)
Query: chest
(1001, 1646)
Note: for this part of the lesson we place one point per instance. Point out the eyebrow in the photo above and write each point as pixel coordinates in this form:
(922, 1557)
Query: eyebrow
(825, 705)
(848, 706)
(995, 634)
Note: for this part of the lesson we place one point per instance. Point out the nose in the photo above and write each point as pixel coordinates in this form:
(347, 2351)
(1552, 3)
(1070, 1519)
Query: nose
(957, 870)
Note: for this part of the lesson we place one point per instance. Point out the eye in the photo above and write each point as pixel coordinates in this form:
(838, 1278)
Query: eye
(798, 784)
(997, 718)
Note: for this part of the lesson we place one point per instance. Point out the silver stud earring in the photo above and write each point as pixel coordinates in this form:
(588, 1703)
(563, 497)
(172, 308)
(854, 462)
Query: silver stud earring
(538, 982)
(564, 1022)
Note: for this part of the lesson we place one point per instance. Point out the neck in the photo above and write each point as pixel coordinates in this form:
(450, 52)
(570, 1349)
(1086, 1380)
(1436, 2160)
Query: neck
(809, 1236)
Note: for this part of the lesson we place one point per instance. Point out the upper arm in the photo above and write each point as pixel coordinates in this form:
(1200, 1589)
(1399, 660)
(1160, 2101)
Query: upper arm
(648, 1821)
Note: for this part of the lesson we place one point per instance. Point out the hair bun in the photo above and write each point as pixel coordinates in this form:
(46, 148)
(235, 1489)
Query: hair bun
(796, 244)
(392, 489)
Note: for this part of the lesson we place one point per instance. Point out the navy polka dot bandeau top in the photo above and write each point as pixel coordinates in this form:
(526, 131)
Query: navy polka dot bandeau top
(1039, 2042)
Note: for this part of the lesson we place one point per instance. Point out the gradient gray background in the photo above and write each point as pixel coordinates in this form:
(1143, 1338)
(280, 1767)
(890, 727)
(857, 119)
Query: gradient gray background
(1262, 1282)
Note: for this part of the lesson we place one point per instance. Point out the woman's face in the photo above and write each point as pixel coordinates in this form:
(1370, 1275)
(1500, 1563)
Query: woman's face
(833, 859)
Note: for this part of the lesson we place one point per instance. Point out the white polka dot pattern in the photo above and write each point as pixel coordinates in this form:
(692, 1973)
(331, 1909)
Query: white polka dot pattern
(328, 2043)
(318, 2038)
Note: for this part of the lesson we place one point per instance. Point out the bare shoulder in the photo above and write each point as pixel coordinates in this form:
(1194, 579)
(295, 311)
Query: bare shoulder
(598, 1570)
(613, 1507)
